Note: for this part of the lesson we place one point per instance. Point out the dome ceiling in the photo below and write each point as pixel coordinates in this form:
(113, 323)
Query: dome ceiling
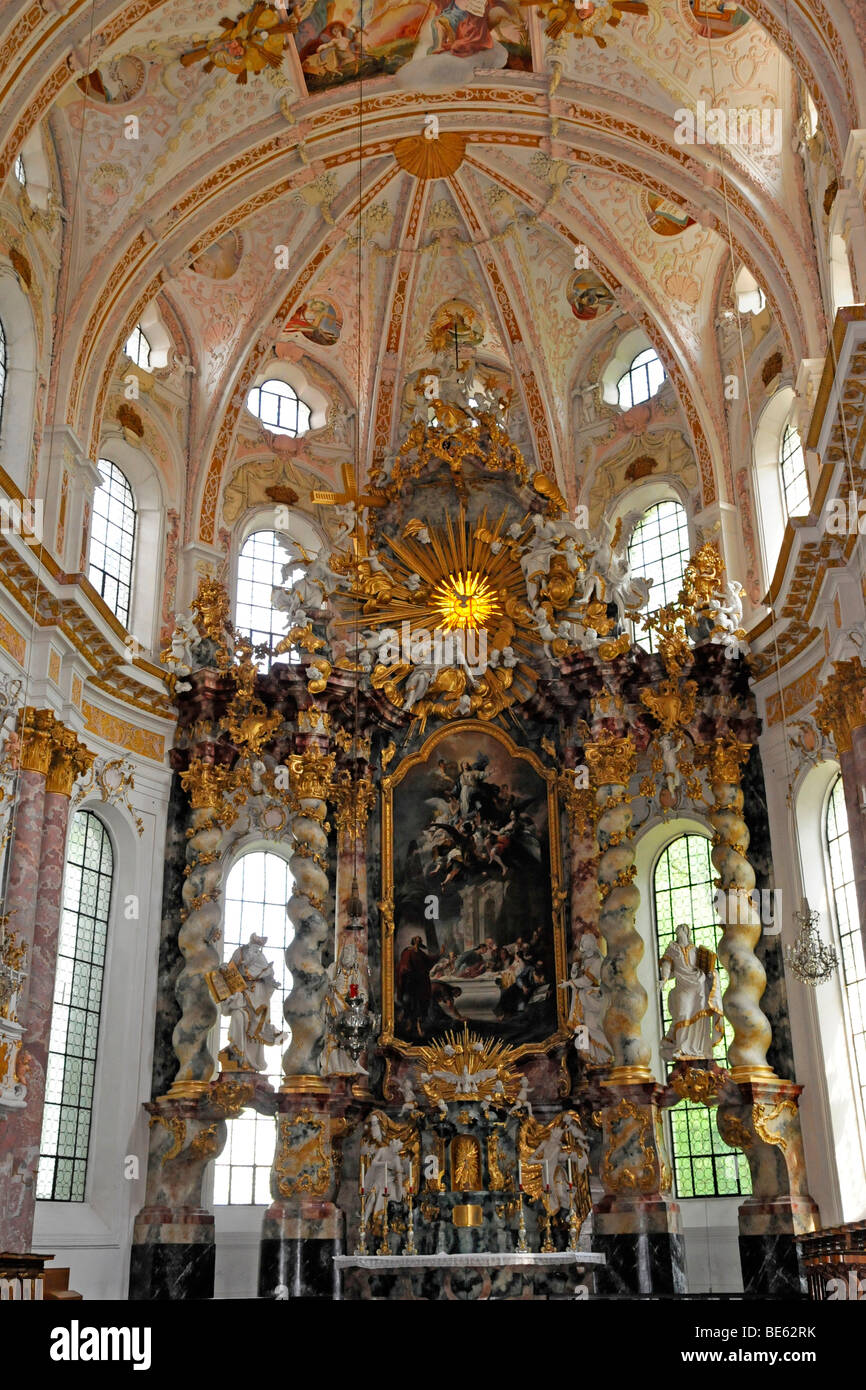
(218, 162)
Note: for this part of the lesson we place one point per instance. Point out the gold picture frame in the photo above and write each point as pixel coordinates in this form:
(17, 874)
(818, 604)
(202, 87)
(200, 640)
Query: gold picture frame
(476, 728)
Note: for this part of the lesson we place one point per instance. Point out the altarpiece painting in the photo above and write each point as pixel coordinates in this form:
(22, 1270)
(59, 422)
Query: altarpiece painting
(471, 868)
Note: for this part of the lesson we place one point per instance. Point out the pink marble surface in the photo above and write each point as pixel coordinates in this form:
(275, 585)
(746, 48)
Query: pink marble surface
(37, 873)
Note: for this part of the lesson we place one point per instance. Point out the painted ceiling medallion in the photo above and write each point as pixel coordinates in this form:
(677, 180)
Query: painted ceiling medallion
(584, 20)
(431, 159)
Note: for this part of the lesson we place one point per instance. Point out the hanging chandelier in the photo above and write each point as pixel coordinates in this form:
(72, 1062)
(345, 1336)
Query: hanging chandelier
(811, 960)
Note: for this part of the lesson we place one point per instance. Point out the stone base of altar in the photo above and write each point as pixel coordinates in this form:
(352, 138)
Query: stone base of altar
(173, 1255)
(643, 1246)
(296, 1255)
(481, 1276)
(771, 1245)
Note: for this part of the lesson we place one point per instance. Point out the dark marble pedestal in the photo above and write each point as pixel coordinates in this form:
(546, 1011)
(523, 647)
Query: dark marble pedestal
(771, 1266)
(173, 1255)
(643, 1247)
(296, 1255)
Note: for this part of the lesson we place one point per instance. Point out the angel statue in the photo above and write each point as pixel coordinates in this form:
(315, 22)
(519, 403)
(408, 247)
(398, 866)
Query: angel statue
(695, 1002)
(588, 1003)
(561, 1152)
(726, 615)
(250, 1030)
(383, 1153)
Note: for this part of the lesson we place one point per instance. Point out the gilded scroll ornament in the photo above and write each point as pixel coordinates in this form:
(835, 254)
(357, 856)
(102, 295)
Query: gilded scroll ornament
(303, 1163)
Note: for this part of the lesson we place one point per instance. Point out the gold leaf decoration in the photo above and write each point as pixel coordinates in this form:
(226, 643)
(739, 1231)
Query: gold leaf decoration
(431, 159)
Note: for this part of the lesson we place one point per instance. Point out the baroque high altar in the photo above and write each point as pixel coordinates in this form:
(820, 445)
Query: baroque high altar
(455, 739)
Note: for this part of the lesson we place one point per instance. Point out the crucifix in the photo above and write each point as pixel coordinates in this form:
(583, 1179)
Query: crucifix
(327, 497)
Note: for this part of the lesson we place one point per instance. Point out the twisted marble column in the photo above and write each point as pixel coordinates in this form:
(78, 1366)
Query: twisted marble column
(201, 930)
(612, 759)
(310, 774)
(742, 927)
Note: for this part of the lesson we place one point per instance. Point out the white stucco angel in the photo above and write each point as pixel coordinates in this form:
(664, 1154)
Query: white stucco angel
(695, 1003)
(726, 616)
(250, 1028)
(563, 1152)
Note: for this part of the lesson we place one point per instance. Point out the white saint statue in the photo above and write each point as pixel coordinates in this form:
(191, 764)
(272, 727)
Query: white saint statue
(250, 1028)
(344, 982)
(383, 1167)
(695, 1002)
(588, 1003)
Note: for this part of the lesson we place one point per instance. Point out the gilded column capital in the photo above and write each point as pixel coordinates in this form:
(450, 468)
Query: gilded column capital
(311, 775)
(723, 758)
(207, 784)
(839, 710)
(69, 759)
(611, 758)
(36, 727)
(353, 800)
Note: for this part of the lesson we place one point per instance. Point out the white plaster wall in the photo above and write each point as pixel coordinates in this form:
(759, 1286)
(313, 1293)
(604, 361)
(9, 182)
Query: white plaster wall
(93, 1237)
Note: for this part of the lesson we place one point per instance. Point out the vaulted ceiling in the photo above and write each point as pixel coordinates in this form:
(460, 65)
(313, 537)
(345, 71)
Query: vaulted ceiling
(306, 211)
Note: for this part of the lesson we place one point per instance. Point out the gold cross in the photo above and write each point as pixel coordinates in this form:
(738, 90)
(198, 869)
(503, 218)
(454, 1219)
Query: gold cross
(326, 497)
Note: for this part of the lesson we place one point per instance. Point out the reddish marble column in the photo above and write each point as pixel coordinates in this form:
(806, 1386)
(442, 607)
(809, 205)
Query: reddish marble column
(35, 892)
(19, 1148)
(39, 1004)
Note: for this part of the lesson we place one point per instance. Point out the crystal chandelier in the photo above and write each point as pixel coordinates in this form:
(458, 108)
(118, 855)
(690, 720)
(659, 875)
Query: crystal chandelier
(811, 961)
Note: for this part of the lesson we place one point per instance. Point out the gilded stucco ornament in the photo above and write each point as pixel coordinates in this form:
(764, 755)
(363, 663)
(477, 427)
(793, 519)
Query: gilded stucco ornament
(839, 710)
(448, 608)
(462, 1066)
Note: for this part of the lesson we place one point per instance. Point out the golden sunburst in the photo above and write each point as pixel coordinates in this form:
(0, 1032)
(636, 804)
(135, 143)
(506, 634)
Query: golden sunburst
(464, 600)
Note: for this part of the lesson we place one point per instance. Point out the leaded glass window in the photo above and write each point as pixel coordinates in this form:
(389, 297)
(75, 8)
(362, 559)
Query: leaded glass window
(260, 571)
(642, 379)
(257, 890)
(845, 912)
(112, 540)
(71, 1066)
(795, 482)
(279, 408)
(684, 891)
(658, 549)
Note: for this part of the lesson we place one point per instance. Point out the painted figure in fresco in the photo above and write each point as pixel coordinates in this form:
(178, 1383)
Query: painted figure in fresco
(588, 296)
(463, 29)
(250, 1028)
(695, 1003)
(588, 1003)
(414, 991)
(319, 320)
